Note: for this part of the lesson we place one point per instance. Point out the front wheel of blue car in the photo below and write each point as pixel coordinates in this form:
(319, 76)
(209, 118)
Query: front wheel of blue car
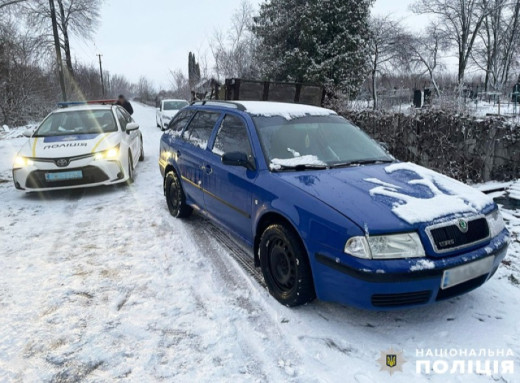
(175, 197)
(285, 266)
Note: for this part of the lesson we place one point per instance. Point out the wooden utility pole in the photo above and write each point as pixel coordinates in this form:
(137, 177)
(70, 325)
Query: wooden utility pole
(101, 74)
(58, 50)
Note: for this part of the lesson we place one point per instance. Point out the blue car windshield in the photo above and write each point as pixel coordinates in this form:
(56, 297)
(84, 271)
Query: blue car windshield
(316, 142)
(77, 122)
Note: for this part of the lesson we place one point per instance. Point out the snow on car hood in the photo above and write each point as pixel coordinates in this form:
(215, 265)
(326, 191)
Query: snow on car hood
(69, 145)
(390, 198)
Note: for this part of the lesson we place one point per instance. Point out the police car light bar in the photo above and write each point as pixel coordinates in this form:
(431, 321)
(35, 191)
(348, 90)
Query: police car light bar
(91, 102)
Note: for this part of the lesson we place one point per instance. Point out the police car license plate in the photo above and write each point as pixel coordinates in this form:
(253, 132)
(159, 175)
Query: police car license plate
(464, 273)
(63, 176)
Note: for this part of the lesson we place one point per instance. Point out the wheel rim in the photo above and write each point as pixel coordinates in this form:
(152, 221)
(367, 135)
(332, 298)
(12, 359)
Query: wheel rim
(282, 265)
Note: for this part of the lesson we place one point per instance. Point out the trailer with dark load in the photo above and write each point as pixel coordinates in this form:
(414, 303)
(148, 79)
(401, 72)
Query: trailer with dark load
(235, 89)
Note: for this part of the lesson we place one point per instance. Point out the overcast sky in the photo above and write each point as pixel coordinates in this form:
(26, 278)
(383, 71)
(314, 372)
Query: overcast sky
(152, 37)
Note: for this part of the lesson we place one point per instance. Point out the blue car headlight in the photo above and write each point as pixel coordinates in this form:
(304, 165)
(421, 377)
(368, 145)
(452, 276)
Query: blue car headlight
(496, 223)
(394, 246)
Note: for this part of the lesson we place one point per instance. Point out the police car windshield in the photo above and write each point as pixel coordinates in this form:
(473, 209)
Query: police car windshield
(77, 122)
(174, 105)
(316, 142)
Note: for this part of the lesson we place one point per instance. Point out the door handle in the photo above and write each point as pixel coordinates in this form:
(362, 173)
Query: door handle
(207, 169)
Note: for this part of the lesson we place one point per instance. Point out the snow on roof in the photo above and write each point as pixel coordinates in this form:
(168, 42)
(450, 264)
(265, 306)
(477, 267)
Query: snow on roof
(285, 110)
(449, 196)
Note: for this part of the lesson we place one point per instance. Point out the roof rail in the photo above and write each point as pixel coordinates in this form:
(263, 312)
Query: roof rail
(228, 104)
(66, 104)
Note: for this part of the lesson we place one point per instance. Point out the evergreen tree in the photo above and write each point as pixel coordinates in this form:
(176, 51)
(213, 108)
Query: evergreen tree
(315, 41)
(193, 70)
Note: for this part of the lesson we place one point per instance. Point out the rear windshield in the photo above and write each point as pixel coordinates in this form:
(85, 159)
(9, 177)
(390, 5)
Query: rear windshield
(77, 122)
(174, 105)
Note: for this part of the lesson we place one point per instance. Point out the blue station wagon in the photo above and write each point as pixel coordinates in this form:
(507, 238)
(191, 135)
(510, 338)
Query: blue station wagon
(326, 211)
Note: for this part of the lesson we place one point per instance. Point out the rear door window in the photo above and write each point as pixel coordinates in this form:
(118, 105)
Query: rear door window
(199, 130)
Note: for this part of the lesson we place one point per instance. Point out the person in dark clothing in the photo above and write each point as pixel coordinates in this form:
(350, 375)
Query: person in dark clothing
(122, 101)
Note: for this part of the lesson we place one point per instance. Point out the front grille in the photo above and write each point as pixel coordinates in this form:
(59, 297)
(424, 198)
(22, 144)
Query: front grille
(450, 237)
(461, 288)
(91, 175)
(402, 299)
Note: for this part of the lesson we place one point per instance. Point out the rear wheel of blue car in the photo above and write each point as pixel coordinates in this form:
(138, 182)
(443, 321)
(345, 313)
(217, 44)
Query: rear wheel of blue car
(285, 266)
(175, 197)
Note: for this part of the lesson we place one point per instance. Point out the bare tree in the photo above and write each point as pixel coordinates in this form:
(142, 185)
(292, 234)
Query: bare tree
(234, 50)
(422, 52)
(461, 21)
(24, 87)
(498, 42)
(75, 17)
(180, 85)
(145, 90)
(6, 3)
(384, 49)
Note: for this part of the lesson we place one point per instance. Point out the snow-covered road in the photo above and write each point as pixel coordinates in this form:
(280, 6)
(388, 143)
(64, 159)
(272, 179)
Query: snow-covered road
(104, 285)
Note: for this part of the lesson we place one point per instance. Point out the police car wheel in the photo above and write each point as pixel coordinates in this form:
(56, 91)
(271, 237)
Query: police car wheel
(285, 266)
(175, 197)
(130, 170)
(141, 157)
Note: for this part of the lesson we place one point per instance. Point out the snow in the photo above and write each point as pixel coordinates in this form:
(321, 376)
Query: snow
(285, 110)
(448, 196)
(311, 160)
(513, 191)
(104, 285)
(423, 264)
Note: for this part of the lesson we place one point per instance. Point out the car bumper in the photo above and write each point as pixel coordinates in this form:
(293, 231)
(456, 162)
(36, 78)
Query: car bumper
(394, 284)
(94, 173)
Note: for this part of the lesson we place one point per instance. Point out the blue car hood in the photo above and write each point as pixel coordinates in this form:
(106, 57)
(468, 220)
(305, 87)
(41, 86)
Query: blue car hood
(390, 198)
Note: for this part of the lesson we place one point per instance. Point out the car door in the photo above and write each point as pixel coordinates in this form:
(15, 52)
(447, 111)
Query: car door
(228, 196)
(192, 152)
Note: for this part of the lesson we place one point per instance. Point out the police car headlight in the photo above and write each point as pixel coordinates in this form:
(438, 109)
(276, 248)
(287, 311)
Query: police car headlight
(496, 223)
(110, 154)
(395, 246)
(22, 162)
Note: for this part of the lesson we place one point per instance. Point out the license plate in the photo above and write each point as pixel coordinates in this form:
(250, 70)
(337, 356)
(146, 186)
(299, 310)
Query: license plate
(464, 273)
(62, 176)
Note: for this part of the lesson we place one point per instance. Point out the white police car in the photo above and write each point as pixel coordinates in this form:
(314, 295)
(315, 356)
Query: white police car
(81, 144)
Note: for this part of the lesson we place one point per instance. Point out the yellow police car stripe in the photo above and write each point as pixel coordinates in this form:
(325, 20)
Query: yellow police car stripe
(34, 147)
(99, 142)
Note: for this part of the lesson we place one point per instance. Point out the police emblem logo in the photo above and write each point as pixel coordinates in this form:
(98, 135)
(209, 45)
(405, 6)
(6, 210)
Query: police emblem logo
(391, 361)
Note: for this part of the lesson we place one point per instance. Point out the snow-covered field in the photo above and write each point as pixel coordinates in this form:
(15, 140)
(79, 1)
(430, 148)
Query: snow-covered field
(104, 285)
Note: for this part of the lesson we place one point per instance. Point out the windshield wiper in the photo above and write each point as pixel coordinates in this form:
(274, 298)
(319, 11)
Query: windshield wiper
(360, 162)
(299, 167)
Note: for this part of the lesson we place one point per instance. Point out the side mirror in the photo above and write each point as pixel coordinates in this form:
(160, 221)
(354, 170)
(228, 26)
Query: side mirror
(28, 133)
(132, 126)
(237, 159)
